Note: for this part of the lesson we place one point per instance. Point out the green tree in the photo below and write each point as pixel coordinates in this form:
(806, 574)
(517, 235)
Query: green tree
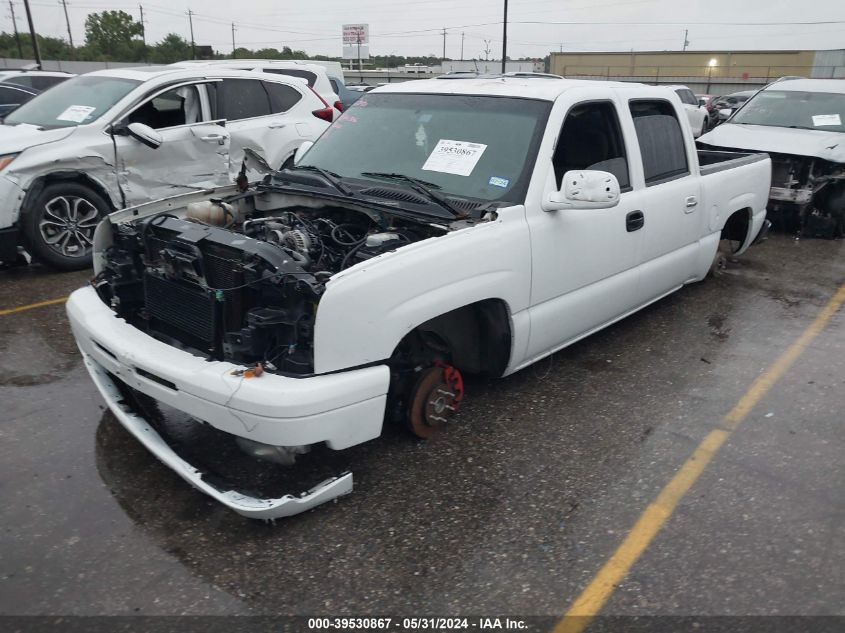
(173, 48)
(113, 35)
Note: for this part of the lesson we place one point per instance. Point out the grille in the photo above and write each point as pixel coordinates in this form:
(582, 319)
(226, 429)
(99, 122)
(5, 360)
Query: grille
(190, 310)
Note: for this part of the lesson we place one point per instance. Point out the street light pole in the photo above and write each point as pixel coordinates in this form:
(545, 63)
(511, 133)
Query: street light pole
(35, 49)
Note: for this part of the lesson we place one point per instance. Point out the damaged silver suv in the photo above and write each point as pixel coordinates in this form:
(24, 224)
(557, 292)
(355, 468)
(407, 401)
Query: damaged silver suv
(800, 123)
(113, 138)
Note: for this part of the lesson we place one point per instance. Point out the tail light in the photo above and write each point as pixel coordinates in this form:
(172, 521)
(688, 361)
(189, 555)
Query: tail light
(339, 105)
(326, 114)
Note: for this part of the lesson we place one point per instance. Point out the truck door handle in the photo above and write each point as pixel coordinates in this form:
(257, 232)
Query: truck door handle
(634, 221)
(276, 126)
(691, 202)
(211, 138)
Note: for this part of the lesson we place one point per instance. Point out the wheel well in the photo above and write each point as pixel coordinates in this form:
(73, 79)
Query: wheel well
(475, 338)
(736, 228)
(40, 183)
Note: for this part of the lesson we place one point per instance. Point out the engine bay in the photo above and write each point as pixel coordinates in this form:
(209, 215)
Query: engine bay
(232, 281)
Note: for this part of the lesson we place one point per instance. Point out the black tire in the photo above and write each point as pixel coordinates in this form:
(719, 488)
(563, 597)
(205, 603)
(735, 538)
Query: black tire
(58, 225)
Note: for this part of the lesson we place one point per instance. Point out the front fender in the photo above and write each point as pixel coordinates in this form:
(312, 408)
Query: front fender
(368, 309)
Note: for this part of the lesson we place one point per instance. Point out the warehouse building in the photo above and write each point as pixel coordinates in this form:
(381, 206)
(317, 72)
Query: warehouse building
(704, 71)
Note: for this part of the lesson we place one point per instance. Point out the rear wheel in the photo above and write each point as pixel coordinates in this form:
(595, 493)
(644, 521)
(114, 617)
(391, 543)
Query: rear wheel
(59, 225)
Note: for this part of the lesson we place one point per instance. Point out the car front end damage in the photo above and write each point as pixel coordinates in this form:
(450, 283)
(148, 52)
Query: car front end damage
(808, 195)
(209, 308)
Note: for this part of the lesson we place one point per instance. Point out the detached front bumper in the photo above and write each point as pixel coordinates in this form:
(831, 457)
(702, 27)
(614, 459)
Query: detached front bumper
(340, 409)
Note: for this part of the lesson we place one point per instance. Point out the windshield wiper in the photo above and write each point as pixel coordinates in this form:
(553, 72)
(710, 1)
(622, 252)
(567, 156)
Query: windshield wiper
(420, 186)
(332, 178)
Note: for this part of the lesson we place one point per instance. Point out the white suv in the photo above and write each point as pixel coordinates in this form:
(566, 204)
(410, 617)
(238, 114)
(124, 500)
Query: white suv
(114, 138)
(314, 75)
(699, 119)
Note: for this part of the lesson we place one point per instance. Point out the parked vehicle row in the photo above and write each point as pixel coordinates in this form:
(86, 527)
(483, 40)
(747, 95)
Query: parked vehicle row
(496, 221)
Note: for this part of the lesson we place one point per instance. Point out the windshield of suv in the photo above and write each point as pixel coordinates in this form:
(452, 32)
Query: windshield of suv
(793, 108)
(472, 146)
(77, 101)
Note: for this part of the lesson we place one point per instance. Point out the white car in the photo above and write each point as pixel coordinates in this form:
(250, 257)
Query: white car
(699, 118)
(495, 221)
(38, 79)
(316, 76)
(113, 138)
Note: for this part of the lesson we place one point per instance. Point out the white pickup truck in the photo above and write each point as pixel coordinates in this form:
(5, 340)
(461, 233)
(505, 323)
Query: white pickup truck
(437, 229)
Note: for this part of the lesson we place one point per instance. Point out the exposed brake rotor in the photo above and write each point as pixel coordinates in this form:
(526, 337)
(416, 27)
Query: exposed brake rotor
(435, 399)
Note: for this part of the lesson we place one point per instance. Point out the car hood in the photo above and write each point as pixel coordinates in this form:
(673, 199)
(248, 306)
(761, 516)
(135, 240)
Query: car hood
(16, 138)
(779, 140)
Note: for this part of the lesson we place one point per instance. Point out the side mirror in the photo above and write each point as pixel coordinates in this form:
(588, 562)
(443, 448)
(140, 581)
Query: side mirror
(301, 150)
(725, 112)
(145, 134)
(585, 189)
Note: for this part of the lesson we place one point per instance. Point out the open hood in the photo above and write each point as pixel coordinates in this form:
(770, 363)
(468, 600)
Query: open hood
(829, 146)
(16, 138)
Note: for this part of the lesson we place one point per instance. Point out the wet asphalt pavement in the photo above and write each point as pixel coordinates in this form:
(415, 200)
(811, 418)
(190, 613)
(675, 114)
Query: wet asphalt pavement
(510, 511)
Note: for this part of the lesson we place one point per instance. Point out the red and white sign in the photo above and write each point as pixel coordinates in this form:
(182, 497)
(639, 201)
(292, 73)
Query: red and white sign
(354, 34)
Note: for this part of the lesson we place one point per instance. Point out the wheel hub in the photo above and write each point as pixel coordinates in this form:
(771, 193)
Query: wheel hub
(67, 225)
(436, 397)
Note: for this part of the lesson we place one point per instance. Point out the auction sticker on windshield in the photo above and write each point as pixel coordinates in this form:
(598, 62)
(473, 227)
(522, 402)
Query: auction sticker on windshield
(454, 157)
(76, 113)
(826, 119)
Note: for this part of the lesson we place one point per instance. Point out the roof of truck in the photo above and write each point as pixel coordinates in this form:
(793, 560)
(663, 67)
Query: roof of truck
(531, 87)
(809, 85)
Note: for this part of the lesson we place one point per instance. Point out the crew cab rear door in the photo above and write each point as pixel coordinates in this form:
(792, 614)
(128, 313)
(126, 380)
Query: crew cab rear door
(670, 184)
(194, 152)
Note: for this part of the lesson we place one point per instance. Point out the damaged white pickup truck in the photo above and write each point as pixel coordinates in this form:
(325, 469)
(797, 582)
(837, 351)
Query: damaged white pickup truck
(437, 229)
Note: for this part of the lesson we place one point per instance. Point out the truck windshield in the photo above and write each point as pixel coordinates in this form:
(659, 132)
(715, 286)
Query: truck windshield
(77, 101)
(471, 146)
(794, 108)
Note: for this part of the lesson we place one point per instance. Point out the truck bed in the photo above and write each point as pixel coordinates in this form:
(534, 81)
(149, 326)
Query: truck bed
(712, 161)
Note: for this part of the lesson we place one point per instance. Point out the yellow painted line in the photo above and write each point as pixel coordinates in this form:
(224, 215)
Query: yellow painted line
(596, 594)
(32, 306)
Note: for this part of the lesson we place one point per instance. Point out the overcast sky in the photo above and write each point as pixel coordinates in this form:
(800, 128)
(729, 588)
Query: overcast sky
(414, 27)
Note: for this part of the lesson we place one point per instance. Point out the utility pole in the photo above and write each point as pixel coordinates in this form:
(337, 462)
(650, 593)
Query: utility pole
(505, 39)
(233, 41)
(143, 35)
(67, 21)
(443, 59)
(193, 45)
(35, 48)
(487, 50)
(686, 41)
(15, 25)
(462, 46)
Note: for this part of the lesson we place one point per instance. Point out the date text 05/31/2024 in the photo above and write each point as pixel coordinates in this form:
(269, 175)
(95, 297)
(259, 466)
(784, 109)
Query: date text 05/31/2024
(416, 624)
